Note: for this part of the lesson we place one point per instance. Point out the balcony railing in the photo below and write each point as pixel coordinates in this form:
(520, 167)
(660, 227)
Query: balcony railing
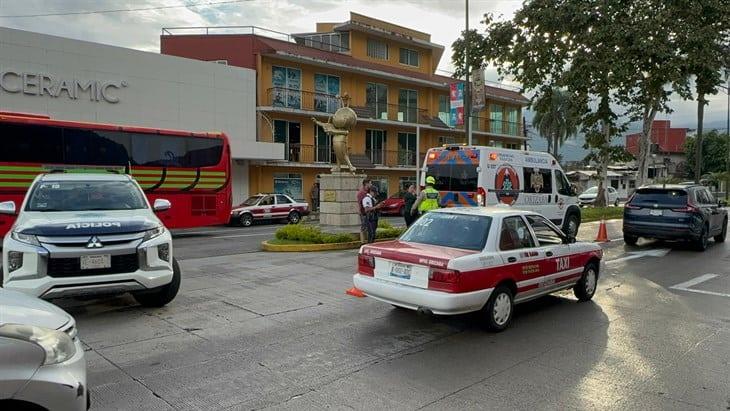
(394, 112)
(302, 100)
(392, 158)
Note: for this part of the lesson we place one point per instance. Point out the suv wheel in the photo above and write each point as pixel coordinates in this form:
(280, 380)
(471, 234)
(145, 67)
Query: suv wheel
(498, 311)
(161, 296)
(701, 242)
(720, 238)
(245, 220)
(630, 239)
(586, 286)
(294, 217)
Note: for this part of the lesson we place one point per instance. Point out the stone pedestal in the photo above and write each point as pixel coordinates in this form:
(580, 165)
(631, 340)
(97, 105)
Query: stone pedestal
(338, 208)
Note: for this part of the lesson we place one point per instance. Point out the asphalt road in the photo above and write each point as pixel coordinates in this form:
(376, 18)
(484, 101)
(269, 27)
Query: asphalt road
(276, 331)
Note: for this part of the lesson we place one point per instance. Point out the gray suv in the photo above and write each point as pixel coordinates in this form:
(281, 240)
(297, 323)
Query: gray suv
(675, 212)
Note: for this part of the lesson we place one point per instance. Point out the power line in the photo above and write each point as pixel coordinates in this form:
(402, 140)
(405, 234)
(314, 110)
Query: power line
(130, 10)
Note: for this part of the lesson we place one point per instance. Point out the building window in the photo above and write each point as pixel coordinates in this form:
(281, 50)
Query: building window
(512, 146)
(337, 42)
(404, 182)
(287, 87)
(326, 89)
(376, 99)
(408, 106)
(444, 108)
(289, 184)
(377, 49)
(632, 183)
(375, 145)
(381, 183)
(289, 134)
(407, 149)
(409, 57)
(323, 146)
(446, 140)
(495, 119)
(512, 124)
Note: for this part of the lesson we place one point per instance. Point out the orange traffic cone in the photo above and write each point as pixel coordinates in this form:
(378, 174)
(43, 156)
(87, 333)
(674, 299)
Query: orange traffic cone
(355, 292)
(602, 236)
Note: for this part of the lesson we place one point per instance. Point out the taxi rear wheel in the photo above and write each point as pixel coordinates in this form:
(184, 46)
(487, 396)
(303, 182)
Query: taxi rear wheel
(245, 220)
(499, 309)
(586, 286)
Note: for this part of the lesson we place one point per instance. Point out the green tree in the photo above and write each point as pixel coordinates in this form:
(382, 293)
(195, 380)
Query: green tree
(556, 119)
(715, 149)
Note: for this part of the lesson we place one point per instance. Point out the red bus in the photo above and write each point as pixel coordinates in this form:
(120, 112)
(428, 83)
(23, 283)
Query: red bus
(192, 170)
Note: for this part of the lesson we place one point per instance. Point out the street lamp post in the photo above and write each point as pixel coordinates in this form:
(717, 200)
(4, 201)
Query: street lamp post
(727, 133)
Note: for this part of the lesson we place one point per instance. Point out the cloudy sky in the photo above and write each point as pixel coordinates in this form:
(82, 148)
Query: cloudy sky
(443, 19)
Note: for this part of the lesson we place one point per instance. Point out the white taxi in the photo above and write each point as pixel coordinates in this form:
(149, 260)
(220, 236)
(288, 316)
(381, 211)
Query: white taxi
(459, 260)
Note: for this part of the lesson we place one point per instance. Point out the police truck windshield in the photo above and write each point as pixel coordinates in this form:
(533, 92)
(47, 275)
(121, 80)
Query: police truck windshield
(467, 232)
(454, 177)
(85, 196)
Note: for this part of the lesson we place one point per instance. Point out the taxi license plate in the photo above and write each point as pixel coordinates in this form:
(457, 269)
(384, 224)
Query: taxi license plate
(91, 262)
(401, 270)
(655, 212)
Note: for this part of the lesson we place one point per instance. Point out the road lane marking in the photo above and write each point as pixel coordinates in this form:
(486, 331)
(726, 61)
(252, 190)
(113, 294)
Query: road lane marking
(685, 286)
(242, 235)
(661, 252)
(230, 230)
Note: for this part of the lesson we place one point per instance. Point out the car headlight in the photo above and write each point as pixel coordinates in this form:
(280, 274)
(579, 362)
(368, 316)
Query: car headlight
(155, 232)
(58, 346)
(25, 238)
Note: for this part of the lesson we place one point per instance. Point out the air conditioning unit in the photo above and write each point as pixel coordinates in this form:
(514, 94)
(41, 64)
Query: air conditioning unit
(224, 62)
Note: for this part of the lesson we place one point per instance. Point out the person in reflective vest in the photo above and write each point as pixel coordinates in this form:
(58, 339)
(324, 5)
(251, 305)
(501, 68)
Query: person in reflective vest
(428, 199)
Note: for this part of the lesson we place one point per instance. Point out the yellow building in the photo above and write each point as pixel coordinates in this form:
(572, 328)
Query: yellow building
(387, 70)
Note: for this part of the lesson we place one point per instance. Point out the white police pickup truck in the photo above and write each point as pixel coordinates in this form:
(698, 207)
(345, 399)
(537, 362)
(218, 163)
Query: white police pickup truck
(87, 234)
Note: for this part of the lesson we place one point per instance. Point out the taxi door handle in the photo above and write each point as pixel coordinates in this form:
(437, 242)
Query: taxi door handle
(511, 259)
(549, 253)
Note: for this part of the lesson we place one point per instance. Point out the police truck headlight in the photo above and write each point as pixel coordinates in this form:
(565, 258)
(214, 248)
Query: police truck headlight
(155, 232)
(25, 238)
(57, 345)
(15, 260)
(163, 252)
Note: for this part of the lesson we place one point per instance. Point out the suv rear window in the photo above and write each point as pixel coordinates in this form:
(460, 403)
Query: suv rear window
(648, 197)
(468, 232)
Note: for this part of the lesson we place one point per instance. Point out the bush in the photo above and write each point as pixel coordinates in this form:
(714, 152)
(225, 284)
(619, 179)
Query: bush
(391, 232)
(384, 224)
(310, 234)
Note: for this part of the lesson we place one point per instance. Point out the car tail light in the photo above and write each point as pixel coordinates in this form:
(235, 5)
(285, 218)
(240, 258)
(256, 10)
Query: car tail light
(443, 280)
(631, 206)
(687, 209)
(481, 196)
(366, 265)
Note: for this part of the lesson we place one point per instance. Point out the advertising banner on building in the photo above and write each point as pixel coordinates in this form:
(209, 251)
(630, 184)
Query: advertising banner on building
(456, 96)
(477, 90)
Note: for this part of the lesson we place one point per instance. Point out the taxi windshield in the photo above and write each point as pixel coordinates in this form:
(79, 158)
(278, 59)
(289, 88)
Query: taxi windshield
(85, 196)
(251, 201)
(468, 232)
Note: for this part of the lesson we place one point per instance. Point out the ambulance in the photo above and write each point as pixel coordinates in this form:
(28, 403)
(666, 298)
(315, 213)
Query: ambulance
(472, 176)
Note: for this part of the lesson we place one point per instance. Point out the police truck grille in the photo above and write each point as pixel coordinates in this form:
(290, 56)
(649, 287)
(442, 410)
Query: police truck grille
(71, 267)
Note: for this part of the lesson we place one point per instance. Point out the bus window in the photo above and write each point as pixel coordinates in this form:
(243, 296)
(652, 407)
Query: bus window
(31, 144)
(454, 177)
(203, 152)
(153, 150)
(95, 147)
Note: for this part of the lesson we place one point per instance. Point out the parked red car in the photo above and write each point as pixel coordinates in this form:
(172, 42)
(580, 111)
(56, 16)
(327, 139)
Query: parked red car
(393, 205)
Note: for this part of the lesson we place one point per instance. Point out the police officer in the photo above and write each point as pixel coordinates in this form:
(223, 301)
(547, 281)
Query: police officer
(428, 199)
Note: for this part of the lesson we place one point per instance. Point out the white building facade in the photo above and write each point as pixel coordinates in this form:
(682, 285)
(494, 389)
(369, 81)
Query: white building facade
(75, 80)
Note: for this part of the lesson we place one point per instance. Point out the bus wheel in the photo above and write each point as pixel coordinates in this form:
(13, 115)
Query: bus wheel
(245, 220)
(160, 296)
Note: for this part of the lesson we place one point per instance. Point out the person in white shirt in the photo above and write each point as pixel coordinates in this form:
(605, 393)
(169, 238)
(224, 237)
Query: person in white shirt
(371, 209)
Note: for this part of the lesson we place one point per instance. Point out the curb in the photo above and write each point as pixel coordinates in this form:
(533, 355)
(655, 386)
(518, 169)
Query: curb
(304, 248)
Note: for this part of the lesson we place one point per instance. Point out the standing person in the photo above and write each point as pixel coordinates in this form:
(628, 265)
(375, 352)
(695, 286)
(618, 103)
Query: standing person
(314, 193)
(428, 199)
(366, 183)
(371, 213)
(408, 199)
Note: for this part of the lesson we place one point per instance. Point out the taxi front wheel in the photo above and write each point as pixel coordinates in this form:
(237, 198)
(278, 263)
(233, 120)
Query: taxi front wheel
(498, 311)
(586, 286)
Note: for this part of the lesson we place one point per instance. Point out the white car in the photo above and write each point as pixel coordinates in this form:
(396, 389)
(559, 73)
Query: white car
(42, 364)
(460, 260)
(588, 197)
(79, 234)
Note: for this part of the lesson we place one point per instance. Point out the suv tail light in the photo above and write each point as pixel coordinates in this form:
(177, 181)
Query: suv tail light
(443, 280)
(631, 206)
(481, 196)
(687, 209)
(366, 265)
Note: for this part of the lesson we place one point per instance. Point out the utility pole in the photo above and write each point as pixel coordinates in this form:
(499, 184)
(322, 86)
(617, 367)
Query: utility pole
(467, 87)
(727, 133)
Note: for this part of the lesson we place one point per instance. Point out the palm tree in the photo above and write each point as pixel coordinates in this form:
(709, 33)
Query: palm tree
(556, 118)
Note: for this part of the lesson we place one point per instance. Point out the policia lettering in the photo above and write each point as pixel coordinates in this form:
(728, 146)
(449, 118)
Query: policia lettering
(431, 199)
(40, 84)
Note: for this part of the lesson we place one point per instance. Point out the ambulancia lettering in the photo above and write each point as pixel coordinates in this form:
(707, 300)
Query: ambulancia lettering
(105, 224)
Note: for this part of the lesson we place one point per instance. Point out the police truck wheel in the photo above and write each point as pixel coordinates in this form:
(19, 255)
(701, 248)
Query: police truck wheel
(498, 311)
(161, 296)
(245, 220)
(294, 217)
(586, 286)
